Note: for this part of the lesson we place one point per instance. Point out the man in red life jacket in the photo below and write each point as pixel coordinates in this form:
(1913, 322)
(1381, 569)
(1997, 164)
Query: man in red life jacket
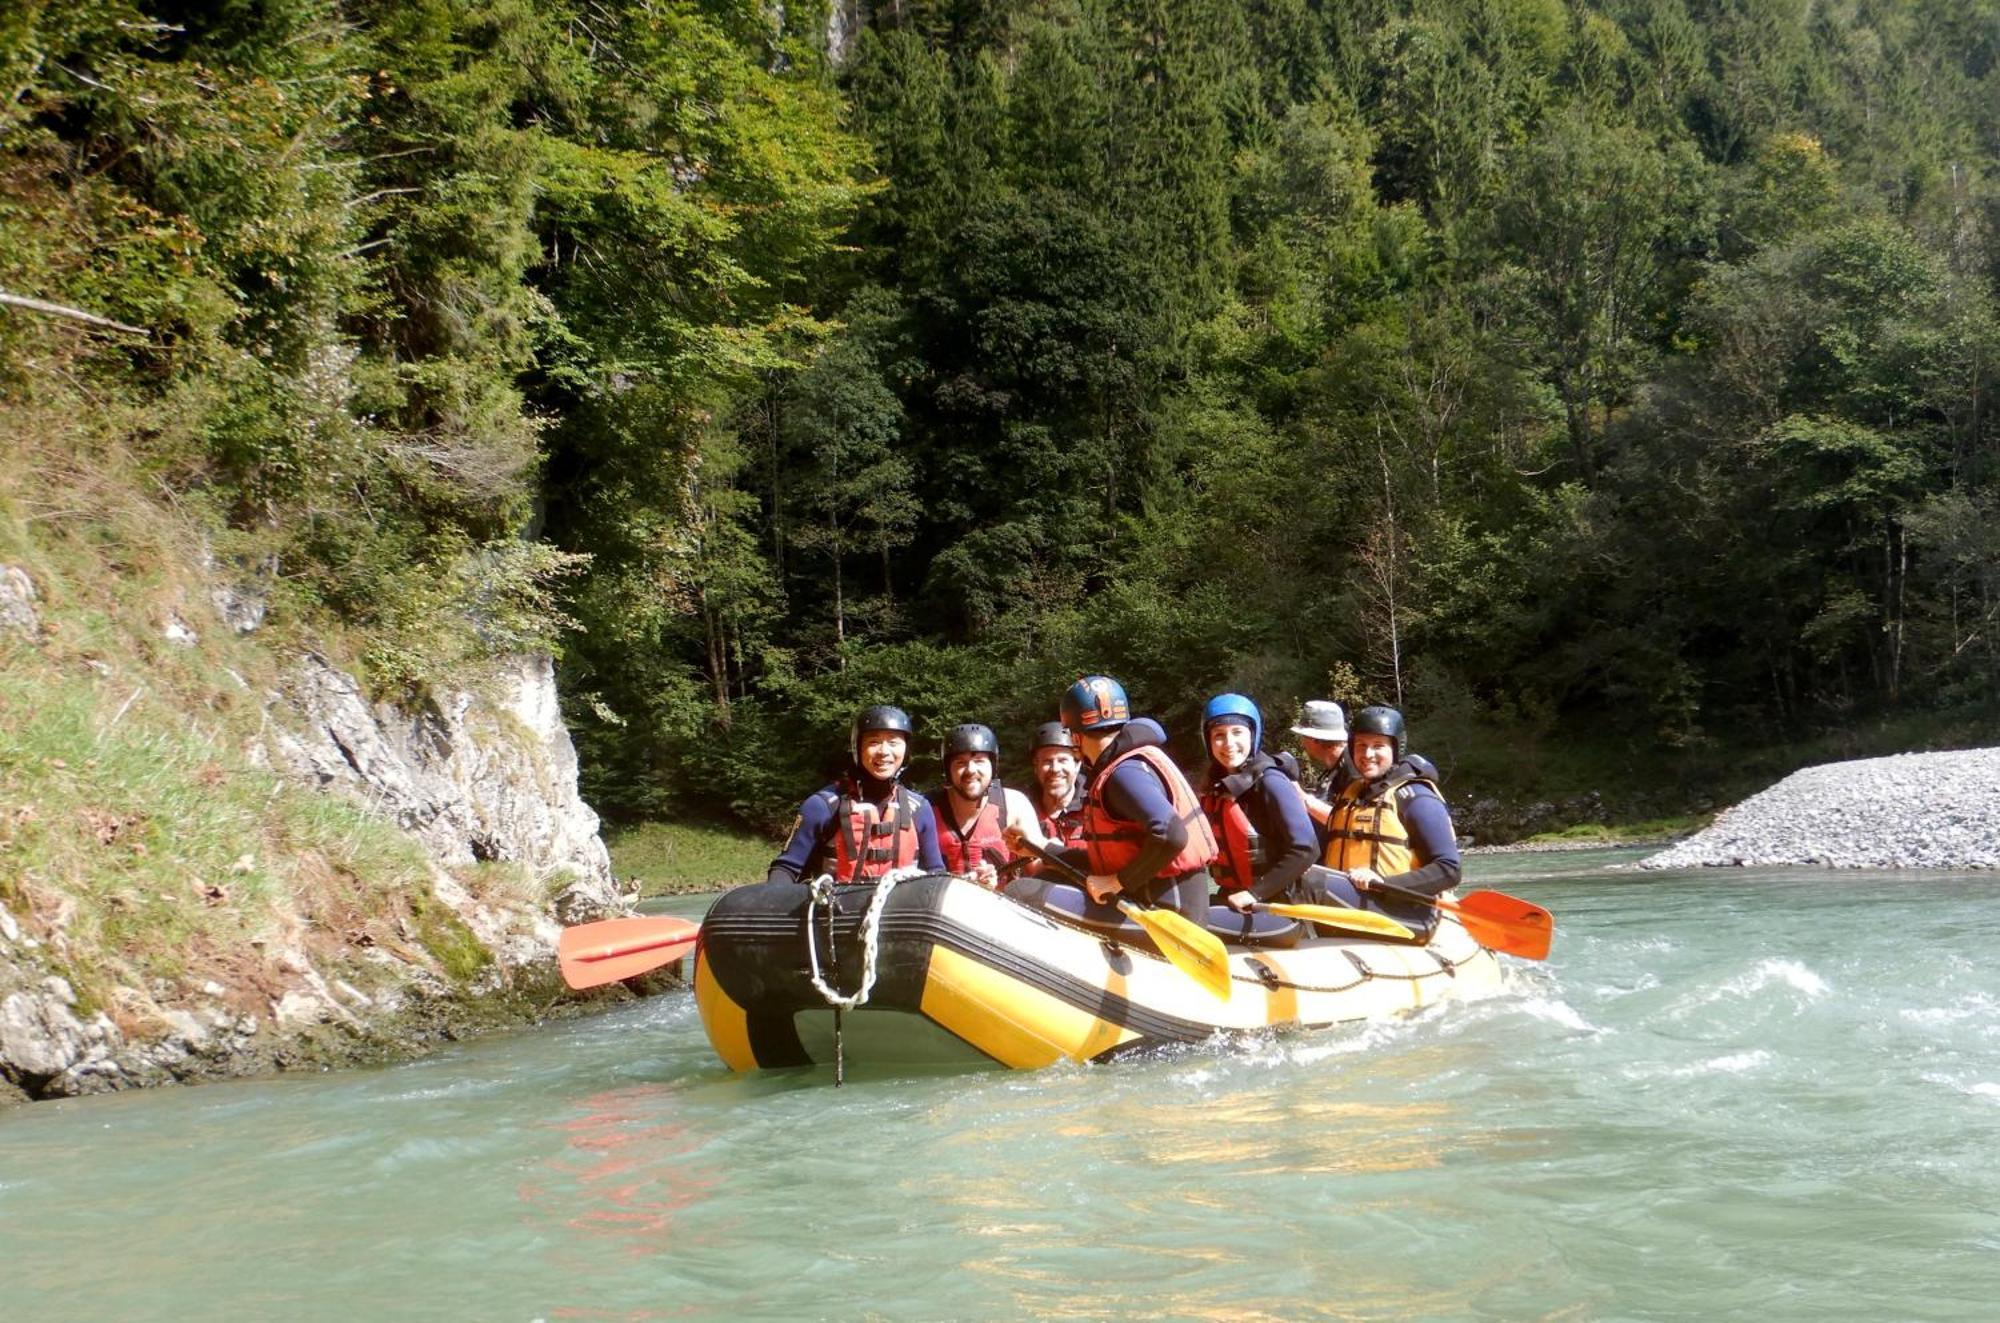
(1145, 836)
(974, 811)
(1059, 785)
(863, 823)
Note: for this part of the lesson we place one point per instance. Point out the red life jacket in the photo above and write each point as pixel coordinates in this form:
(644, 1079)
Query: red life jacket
(1064, 827)
(965, 850)
(866, 844)
(1112, 843)
(1241, 850)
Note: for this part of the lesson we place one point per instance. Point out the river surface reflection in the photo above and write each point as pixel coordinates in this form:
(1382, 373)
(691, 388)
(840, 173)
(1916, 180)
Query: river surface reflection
(1745, 1093)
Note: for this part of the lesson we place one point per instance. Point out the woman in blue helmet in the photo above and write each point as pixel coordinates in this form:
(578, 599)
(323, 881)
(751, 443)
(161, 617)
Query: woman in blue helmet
(1254, 808)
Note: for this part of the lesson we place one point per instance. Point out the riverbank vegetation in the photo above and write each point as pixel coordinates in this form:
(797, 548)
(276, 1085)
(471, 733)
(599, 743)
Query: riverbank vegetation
(1605, 384)
(669, 858)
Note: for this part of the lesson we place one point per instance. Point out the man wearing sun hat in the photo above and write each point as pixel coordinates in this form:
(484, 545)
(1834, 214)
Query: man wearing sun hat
(1322, 729)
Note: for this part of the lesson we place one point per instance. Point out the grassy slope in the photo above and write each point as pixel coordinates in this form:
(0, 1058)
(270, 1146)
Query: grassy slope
(140, 841)
(670, 858)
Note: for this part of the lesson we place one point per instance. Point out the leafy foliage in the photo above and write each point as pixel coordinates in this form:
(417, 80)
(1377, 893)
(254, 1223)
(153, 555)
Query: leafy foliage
(1618, 368)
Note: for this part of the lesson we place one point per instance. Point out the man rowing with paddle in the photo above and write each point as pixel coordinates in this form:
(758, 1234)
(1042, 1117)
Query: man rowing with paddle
(1145, 838)
(1388, 826)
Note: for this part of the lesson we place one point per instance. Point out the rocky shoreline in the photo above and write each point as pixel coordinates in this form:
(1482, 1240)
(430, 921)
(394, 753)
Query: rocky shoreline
(1562, 847)
(1913, 810)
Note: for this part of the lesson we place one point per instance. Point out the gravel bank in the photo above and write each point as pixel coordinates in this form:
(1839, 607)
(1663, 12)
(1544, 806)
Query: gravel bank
(1913, 810)
(1560, 847)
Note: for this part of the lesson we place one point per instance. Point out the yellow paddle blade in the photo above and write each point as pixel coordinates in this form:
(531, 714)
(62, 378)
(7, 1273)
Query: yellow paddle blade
(1194, 950)
(1354, 921)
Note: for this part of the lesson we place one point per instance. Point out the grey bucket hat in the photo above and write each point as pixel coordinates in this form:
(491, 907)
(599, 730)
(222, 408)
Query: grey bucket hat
(1322, 720)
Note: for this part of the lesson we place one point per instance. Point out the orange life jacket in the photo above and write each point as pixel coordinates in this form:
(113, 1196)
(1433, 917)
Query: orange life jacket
(965, 850)
(867, 844)
(1364, 830)
(1112, 843)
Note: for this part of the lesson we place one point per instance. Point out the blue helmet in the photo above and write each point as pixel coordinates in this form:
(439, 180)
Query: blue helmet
(1096, 703)
(1234, 705)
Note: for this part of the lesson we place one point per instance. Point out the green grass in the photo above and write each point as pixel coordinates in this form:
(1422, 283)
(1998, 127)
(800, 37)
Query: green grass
(138, 836)
(1623, 833)
(667, 858)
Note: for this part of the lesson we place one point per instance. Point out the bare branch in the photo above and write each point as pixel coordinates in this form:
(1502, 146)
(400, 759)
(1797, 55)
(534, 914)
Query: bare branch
(367, 198)
(59, 310)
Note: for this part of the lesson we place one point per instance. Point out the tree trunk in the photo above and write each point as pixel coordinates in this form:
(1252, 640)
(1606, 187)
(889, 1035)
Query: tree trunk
(839, 604)
(777, 488)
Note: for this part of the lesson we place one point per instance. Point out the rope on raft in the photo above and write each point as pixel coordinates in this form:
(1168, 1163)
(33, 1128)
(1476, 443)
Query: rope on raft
(822, 889)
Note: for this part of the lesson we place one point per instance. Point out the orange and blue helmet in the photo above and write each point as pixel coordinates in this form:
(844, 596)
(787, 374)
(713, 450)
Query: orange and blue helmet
(1096, 703)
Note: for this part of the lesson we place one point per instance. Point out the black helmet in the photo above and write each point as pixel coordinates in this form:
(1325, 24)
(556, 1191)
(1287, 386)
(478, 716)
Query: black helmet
(970, 738)
(1379, 721)
(880, 717)
(1052, 735)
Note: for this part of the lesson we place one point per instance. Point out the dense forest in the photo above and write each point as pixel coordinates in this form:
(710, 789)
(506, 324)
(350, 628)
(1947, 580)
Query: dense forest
(1603, 383)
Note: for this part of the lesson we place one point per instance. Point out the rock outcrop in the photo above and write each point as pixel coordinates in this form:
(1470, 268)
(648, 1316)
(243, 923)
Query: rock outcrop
(480, 773)
(476, 775)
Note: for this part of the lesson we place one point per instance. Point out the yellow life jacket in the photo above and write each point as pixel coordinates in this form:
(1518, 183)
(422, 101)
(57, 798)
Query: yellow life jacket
(1365, 831)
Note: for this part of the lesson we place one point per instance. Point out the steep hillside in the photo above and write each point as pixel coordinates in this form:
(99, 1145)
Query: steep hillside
(218, 853)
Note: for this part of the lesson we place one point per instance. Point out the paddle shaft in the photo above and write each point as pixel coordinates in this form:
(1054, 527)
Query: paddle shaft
(1435, 902)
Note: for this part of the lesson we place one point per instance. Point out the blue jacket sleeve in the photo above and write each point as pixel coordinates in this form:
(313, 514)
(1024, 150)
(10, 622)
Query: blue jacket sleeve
(1135, 794)
(1432, 839)
(929, 857)
(802, 848)
(1291, 846)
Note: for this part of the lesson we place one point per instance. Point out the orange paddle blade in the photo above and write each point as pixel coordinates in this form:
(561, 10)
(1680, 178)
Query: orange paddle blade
(593, 954)
(1505, 923)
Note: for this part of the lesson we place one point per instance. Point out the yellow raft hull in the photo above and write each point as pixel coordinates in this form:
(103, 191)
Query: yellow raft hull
(963, 974)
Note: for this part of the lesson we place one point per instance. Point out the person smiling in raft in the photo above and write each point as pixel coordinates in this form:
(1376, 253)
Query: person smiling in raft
(1389, 824)
(1255, 810)
(864, 822)
(977, 816)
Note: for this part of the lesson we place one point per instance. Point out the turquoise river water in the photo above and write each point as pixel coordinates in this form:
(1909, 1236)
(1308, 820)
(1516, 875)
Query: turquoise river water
(1770, 1095)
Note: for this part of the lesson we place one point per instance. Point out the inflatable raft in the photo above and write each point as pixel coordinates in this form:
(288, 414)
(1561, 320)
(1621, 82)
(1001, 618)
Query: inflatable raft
(955, 973)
